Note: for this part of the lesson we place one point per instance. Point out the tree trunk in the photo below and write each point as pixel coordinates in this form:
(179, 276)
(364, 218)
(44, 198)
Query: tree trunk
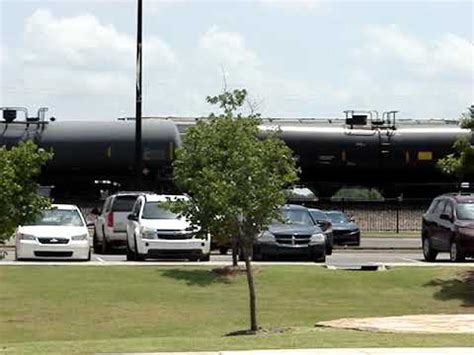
(252, 294)
(235, 252)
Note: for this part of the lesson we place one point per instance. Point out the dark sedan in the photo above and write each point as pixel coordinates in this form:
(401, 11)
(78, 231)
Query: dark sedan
(295, 234)
(344, 229)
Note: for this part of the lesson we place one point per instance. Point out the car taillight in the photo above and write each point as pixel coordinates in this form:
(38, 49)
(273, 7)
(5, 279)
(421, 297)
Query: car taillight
(110, 219)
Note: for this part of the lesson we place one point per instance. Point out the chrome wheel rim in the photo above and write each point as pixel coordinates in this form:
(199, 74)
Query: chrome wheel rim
(454, 251)
(426, 246)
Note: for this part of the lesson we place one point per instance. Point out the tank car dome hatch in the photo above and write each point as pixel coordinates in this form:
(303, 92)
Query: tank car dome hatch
(9, 115)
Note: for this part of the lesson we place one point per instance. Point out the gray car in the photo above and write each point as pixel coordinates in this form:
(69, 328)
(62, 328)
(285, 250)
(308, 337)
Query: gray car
(345, 230)
(296, 234)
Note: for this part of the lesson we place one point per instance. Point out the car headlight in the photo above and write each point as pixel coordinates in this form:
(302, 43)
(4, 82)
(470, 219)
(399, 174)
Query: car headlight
(22, 236)
(80, 237)
(318, 237)
(148, 233)
(266, 237)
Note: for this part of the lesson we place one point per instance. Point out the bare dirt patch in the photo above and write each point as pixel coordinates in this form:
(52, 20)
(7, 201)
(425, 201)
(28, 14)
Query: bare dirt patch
(439, 323)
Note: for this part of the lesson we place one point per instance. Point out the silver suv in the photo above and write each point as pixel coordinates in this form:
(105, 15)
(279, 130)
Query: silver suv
(110, 228)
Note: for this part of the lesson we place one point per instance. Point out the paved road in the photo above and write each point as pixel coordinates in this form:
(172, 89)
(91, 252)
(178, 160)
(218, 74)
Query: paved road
(373, 251)
(390, 242)
(340, 258)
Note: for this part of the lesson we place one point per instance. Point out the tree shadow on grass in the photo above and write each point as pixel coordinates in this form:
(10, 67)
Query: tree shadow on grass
(460, 287)
(196, 277)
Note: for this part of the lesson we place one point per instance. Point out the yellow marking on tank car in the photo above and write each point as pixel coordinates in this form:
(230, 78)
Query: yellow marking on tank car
(343, 156)
(171, 150)
(108, 152)
(407, 157)
(425, 155)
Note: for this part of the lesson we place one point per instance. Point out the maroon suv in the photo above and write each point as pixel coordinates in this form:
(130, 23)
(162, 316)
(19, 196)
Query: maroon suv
(448, 226)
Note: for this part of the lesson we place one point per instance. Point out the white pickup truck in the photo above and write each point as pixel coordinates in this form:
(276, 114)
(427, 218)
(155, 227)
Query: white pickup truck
(110, 227)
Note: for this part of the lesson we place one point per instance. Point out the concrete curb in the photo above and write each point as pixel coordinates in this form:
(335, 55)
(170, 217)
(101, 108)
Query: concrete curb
(335, 351)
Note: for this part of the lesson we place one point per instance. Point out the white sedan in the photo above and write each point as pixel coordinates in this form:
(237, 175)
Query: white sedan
(58, 233)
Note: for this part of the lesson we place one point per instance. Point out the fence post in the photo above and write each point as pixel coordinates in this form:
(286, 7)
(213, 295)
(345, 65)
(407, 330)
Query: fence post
(399, 202)
(398, 218)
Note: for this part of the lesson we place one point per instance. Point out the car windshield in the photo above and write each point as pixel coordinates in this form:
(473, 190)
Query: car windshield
(465, 211)
(295, 216)
(123, 203)
(318, 215)
(338, 217)
(154, 210)
(58, 217)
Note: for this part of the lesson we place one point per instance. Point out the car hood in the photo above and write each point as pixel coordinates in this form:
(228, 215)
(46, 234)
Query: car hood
(53, 231)
(293, 229)
(165, 224)
(344, 226)
(465, 224)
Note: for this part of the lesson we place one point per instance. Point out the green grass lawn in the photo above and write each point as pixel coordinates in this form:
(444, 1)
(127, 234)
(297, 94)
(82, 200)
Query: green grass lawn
(109, 309)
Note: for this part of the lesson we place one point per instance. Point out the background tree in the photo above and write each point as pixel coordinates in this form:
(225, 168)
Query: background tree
(461, 162)
(236, 179)
(19, 198)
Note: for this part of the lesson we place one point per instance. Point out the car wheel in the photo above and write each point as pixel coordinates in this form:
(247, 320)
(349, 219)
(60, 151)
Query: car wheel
(357, 243)
(455, 254)
(88, 256)
(205, 258)
(329, 250)
(95, 243)
(130, 253)
(223, 250)
(318, 258)
(138, 256)
(428, 252)
(105, 244)
(257, 256)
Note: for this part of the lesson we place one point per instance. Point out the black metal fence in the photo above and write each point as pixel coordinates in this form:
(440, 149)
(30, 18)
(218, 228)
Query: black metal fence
(390, 215)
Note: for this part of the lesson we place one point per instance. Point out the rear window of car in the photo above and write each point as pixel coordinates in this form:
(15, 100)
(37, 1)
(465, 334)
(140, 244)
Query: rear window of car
(338, 217)
(465, 211)
(124, 203)
(318, 215)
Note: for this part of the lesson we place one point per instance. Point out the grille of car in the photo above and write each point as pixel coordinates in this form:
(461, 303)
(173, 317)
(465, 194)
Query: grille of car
(293, 239)
(173, 235)
(342, 232)
(57, 254)
(53, 240)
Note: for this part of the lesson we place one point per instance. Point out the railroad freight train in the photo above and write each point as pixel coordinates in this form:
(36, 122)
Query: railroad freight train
(359, 150)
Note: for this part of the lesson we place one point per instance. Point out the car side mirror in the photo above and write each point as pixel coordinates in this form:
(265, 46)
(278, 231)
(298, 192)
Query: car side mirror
(352, 219)
(132, 217)
(445, 217)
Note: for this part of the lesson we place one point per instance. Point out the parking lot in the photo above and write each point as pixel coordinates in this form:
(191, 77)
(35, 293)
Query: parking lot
(373, 251)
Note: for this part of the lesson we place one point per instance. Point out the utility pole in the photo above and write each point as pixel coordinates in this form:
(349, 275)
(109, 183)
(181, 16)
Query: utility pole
(138, 102)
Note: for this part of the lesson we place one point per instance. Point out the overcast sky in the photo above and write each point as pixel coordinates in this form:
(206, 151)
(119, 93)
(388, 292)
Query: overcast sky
(296, 58)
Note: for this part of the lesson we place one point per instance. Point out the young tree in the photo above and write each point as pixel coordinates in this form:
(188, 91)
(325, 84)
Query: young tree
(20, 201)
(461, 162)
(236, 179)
